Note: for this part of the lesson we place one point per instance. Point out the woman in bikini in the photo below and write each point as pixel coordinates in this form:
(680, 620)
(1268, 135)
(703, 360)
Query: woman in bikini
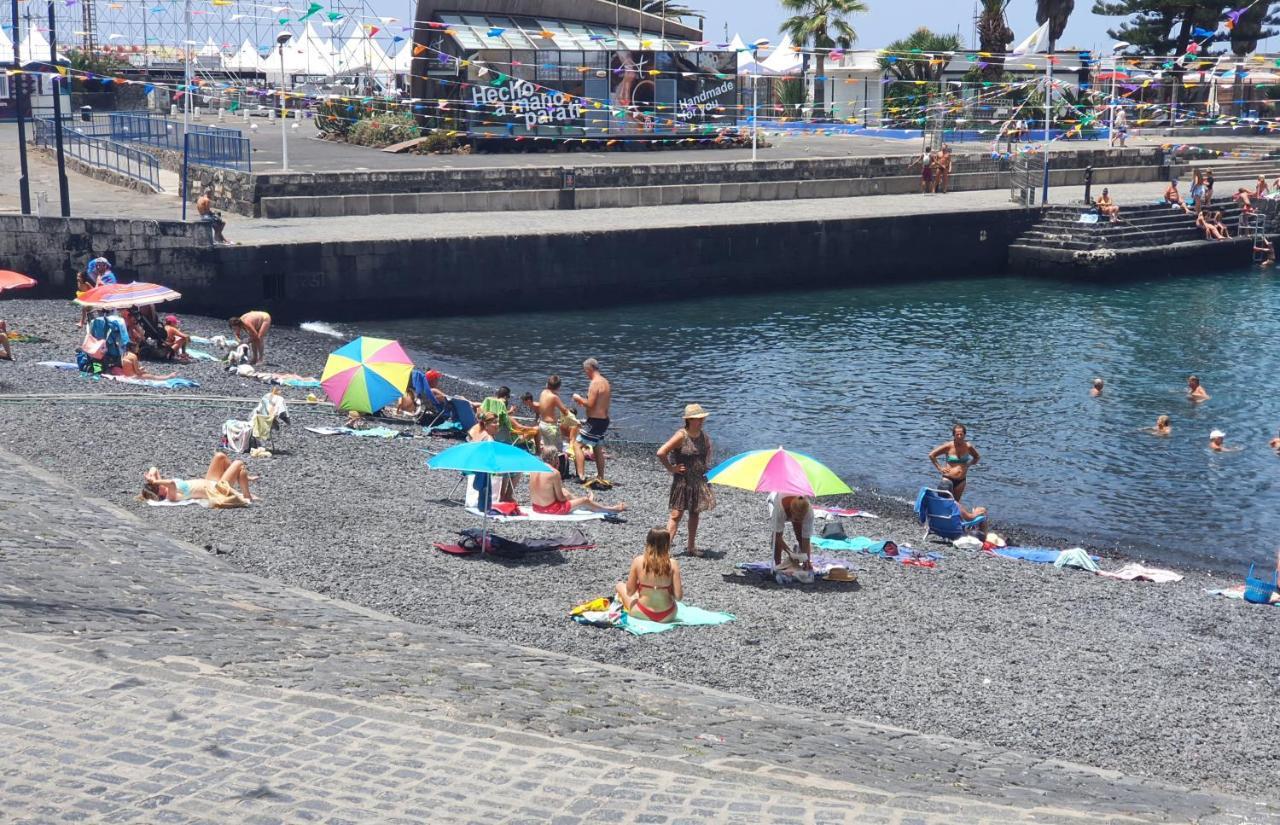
(653, 585)
(225, 484)
(960, 455)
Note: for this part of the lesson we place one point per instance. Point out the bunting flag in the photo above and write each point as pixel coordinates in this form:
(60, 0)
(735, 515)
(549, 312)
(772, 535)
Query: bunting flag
(312, 9)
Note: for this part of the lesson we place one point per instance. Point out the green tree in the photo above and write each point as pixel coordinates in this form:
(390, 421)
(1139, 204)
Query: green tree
(926, 59)
(821, 25)
(1055, 13)
(662, 8)
(994, 38)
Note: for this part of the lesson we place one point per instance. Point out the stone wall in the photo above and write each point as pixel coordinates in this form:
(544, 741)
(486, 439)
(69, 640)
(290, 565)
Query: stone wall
(52, 250)
(96, 172)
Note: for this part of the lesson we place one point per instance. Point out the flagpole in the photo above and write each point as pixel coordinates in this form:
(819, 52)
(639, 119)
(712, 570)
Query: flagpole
(1048, 115)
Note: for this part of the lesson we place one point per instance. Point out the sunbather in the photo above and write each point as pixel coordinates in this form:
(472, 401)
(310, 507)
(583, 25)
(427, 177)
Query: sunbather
(1107, 207)
(485, 429)
(653, 584)
(225, 484)
(1173, 198)
(551, 410)
(132, 368)
(1205, 224)
(546, 492)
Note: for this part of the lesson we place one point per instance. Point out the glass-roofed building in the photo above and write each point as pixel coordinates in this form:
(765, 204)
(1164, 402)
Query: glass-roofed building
(567, 69)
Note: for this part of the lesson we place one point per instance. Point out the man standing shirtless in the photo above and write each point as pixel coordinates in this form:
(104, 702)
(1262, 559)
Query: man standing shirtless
(551, 409)
(599, 395)
(254, 324)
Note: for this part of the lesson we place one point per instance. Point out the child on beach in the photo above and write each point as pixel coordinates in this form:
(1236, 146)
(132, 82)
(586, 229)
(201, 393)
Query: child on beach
(175, 339)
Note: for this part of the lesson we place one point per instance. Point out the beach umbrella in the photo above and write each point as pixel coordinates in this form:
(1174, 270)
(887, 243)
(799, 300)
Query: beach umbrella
(366, 374)
(489, 457)
(14, 280)
(123, 296)
(778, 471)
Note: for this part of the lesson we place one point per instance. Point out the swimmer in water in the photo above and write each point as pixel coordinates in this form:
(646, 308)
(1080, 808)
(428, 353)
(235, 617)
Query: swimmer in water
(1275, 443)
(1215, 443)
(1163, 426)
(1195, 392)
(1097, 388)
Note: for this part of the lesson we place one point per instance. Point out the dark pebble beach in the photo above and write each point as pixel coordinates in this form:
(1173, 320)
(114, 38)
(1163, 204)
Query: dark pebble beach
(1160, 680)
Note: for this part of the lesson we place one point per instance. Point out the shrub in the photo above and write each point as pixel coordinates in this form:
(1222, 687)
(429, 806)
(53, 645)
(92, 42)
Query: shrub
(384, 129)
(437, 142)
(334, 119)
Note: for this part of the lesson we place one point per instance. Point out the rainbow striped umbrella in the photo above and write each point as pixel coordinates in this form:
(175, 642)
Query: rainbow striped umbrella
(778, 471)
(123, 296)
(366, 375)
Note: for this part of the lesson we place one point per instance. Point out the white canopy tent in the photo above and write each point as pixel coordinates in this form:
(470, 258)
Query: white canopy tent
(747, 63)
(306, 54)
(784, 60)
(247, 59)
(402, 63)
(34, 47)
(361, 53)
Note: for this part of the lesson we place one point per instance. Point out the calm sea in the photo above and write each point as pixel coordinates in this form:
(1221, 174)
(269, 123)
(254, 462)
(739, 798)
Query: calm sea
(869, 380)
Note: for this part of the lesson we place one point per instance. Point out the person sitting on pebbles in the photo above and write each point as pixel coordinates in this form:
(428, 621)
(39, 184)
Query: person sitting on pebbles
(653, 586)
(547, 495)
(225, 484)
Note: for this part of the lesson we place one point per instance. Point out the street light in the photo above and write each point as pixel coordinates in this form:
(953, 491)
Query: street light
(281, 39)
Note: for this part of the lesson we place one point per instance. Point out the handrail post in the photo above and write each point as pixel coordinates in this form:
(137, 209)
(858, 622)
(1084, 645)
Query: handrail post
(63, 188)
(19, 97)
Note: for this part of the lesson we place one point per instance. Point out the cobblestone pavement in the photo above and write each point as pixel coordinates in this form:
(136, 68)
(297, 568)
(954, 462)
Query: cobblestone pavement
(144, 680)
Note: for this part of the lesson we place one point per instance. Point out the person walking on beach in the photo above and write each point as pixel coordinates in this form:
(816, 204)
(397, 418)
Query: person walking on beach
(687, 455)
(959, 456)
(599, 397)
(255, 325)
(653, 587)
(1195, 391)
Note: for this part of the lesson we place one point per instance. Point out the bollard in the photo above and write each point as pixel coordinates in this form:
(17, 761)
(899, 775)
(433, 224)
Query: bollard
(173, 110)
(222, 115)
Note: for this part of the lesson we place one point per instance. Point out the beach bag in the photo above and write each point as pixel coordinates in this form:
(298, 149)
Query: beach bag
(833, 530)
(95, 348)
(562, 464)
(83, 361)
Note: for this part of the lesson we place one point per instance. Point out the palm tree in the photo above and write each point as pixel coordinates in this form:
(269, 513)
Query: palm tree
(822, 26)
(931, 60)
(1056, 12)
(661, 8)
(994, 37)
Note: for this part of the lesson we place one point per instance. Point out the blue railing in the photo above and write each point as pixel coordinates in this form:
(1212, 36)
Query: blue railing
(100, 152)
(209, 145)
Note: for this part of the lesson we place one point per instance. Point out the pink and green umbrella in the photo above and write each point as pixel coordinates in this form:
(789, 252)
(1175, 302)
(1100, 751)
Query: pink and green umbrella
(366, 374)
(778, 471)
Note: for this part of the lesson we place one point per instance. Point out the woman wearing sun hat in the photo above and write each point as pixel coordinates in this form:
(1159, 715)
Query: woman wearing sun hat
(687, 455)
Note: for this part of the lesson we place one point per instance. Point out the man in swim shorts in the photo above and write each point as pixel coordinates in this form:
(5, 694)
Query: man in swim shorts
(599, 396)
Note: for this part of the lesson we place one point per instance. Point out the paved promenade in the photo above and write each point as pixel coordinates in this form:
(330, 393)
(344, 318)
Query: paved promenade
(144, 680)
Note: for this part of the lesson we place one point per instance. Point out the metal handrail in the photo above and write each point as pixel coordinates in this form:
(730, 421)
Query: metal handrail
(101, 152)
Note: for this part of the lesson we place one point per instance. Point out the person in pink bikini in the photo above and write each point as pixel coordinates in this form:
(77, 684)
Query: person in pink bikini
(653, 587)
(546, 492)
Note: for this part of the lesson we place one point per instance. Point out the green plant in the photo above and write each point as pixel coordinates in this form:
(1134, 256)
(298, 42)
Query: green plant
(920, 55)
(383, 129)
(437, 142)
(994, 38)
(334, 119)
(822, 25)
(789, 94)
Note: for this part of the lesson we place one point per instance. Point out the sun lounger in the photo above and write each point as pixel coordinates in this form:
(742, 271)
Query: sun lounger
(842, 512)
(939, 512)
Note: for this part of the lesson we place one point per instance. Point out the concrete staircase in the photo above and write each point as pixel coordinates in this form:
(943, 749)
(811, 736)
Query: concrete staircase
(1145, 236)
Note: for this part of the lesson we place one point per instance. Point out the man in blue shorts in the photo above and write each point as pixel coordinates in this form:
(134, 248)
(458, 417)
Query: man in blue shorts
(599, 396)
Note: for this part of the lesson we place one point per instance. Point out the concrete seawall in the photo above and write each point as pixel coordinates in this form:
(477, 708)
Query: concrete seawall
(449, 275)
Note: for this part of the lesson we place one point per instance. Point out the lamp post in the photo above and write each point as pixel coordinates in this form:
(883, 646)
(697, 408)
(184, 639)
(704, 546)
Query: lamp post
(19, 98)
(186, 66)
(1115, 68)
(281, 39)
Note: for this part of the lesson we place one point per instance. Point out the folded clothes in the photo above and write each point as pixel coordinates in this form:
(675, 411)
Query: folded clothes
(842, 512)
(1137, 572)
(283, 379)
(1077, 557)
(686, 616)
(371, 432)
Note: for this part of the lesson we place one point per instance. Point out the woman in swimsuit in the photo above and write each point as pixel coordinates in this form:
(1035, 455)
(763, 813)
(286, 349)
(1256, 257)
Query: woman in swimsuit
(653, 585)
(960, 456)
(225, 484)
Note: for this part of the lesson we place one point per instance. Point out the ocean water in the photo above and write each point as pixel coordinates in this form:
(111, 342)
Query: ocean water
(869, 380)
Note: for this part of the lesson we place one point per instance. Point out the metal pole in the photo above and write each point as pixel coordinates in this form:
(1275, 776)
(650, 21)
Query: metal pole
(186, 65)
(63, 193)
(284, 110)
(755, 113)
(1048, 117)
(20, 98)
(1111, 129)
(186, 141)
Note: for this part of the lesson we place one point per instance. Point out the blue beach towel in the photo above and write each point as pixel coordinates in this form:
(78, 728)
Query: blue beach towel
(1035, 555)
(201, 355)
(372, 432)
(872, 547)
(686, 616)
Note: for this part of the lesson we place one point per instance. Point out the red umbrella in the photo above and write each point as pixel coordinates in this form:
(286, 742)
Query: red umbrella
(118, 296)
(14, 280)
(1111, 76)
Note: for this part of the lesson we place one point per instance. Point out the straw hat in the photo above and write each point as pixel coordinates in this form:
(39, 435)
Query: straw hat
(695, 411)
(840, 574)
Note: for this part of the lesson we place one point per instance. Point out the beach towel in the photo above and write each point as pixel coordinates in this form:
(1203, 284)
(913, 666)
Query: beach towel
(183, 503)
(903, 553)
(372, 432)
(1035, 555)
(279, 378)
(529, 515)
(842, 512)
(1137, 572)
(686, 616)
(159, 383)
(1077, 557)
(1237, 592)
(822, 565)
(201, 355)
(507, 548)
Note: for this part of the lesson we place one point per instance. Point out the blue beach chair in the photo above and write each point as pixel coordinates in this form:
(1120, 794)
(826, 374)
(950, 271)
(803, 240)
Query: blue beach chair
(940, 514)
(1259, 591)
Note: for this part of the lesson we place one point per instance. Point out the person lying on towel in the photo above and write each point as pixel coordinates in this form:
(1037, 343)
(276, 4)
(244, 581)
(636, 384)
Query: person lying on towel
(548, 497)
(653, 584)
(225, 484)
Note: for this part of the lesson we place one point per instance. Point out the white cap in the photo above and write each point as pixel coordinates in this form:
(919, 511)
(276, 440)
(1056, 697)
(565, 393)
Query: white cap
(1217, 434)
